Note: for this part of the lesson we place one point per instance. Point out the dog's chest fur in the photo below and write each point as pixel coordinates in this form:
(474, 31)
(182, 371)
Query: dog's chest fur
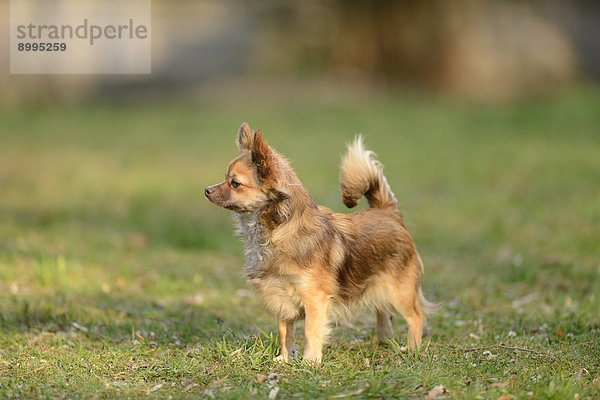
(256, 244)
(277, 289)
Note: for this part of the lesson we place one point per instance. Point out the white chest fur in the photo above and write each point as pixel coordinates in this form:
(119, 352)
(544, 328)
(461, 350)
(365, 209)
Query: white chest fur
(278, 291)
(255, 243)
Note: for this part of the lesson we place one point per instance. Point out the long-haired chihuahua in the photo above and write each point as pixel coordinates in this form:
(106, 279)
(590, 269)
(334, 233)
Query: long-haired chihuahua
(308, 262)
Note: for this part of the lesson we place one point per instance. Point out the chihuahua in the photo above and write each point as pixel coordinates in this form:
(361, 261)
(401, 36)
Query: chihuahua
(308, 262)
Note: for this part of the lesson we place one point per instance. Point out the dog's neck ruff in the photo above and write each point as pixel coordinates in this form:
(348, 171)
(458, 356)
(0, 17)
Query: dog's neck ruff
(256, 243)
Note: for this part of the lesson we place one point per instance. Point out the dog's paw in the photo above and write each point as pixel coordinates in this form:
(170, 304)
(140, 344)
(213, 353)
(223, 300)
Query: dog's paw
(281, 358)
(312, 358)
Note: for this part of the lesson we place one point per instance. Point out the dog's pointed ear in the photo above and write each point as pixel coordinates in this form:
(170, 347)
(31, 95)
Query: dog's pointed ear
(261, 155)
(245, 138)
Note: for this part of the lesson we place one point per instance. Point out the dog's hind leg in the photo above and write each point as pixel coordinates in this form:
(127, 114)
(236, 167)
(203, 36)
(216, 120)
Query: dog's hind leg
(406, 302)
(384, 326)
(414, 319)
(286, 337)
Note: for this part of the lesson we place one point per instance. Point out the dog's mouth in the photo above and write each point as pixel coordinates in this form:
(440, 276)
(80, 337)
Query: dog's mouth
(217, 201)
(210, 197)
(213, 198)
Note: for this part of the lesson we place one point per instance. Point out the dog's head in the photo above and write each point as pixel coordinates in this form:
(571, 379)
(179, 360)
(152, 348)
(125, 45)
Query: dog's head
(252, 180)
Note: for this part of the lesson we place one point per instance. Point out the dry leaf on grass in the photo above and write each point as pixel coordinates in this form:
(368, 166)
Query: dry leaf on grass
(210, 392)
(155, 388)
(273, 392)
(189, 387)
(502, 385)
(436, 392)
(79, 327)
(353, 393)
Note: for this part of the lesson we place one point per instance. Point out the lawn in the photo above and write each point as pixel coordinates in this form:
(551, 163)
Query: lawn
(119, 280)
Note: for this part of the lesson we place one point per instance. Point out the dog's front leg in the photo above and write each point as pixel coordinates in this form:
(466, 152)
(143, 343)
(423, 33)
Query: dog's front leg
(286, 337)
(316, 306)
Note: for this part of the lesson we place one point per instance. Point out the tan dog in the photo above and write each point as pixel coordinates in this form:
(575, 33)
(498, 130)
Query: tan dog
(306, 261)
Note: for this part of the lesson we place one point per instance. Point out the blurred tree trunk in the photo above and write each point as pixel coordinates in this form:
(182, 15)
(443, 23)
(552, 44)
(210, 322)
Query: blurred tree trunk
(475, 48)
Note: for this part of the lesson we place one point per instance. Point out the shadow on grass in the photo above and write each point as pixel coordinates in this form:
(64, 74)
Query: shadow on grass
(116, 320)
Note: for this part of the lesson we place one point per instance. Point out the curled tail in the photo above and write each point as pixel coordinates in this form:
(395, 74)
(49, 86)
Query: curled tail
(363, 175)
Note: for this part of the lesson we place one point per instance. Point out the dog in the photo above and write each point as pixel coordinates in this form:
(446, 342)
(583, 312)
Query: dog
(308, 262)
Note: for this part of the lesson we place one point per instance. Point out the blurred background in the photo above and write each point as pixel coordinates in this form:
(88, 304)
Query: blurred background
(494, 49)
(486, 115)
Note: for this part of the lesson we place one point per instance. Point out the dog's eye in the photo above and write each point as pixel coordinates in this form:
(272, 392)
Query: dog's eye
(235, 184)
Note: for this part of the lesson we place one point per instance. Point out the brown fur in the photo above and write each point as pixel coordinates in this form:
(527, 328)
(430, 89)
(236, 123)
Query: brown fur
(305, 261)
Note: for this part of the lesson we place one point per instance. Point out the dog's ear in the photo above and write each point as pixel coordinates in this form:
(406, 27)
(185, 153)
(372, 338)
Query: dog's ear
(245, 139)
(262, 156)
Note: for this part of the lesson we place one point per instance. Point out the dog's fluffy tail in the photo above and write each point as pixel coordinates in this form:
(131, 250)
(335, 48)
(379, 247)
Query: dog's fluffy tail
(426, 306)
(362, 175)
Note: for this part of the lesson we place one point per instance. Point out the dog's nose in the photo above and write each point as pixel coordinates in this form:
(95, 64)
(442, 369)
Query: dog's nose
(208, 191)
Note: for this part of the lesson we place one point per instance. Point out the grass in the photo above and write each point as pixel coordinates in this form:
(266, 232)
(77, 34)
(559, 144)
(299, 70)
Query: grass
(119, 280)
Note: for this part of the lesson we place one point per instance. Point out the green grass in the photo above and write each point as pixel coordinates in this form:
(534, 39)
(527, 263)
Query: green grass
(118, 279)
